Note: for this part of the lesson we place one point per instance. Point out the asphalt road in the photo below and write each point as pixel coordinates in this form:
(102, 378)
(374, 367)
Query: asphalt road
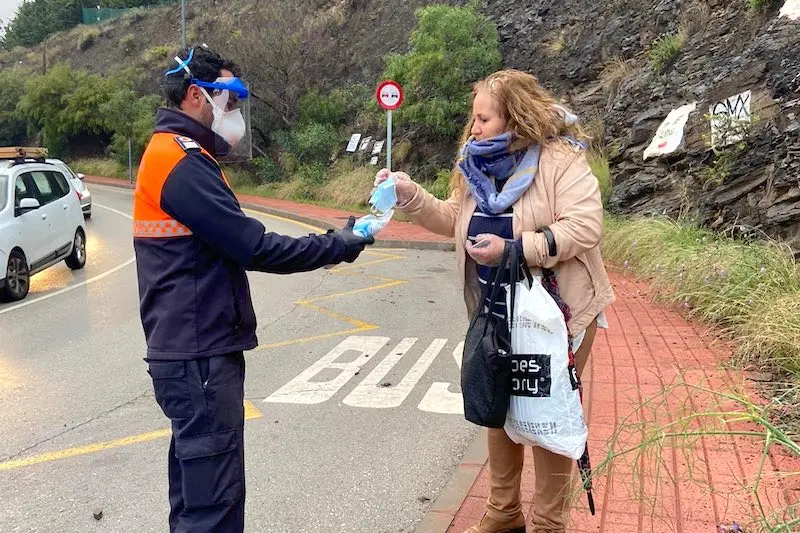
(352, 398)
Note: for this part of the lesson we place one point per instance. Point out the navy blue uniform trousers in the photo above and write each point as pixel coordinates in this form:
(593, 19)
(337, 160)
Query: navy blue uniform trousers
(204, 399)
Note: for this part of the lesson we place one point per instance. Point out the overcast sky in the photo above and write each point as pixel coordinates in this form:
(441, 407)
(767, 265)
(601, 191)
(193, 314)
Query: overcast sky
(8, 8)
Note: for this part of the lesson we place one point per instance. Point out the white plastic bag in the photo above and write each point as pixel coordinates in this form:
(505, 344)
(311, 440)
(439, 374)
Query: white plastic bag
(545, 408)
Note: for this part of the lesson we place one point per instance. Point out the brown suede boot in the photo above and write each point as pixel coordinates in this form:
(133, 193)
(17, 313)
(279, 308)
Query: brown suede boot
(487, 525)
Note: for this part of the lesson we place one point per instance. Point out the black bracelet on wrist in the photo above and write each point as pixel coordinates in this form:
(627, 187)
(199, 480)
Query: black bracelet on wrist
(551, 240)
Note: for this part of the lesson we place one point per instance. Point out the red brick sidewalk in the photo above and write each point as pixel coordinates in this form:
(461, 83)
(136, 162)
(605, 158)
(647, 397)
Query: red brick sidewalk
(691, 487)
(400, 234)
(688, 486)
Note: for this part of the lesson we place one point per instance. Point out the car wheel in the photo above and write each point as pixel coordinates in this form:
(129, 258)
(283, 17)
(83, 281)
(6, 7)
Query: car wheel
(77, 259)
(18, 277)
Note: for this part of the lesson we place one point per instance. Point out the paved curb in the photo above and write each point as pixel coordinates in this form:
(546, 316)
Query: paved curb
(379, 243)
(442, 512)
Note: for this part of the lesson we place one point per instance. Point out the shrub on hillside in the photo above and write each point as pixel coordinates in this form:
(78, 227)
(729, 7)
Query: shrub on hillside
(323, 108)
(440, 188)
(335, 107)
(451, 48)
(157, 54)
(267, 170)
(64, 103)
(87, 38)
(129, 116)
(665, 50)
(13, 127)
(314, 143)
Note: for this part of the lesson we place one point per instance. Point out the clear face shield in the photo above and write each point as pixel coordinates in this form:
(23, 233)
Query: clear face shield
(229, 98)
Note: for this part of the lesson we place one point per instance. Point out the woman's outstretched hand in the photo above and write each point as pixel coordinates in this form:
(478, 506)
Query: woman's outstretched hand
(405, 187)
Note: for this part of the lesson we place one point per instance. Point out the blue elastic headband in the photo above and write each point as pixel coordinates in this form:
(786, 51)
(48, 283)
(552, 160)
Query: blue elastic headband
(234, 85)
(182, 65)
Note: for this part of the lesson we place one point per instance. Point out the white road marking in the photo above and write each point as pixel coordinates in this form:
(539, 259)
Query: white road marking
(302, 390)
(439, 399)
(371, 393)
(77, 285)
(307, 388)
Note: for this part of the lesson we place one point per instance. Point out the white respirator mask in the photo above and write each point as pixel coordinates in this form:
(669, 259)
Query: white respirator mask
(229, 125)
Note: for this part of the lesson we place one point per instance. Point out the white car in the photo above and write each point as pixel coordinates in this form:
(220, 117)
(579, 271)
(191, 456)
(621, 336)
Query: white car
(77, 183)
(41, 223)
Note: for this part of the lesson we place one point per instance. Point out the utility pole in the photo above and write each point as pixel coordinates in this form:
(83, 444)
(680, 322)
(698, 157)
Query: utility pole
(183, 24)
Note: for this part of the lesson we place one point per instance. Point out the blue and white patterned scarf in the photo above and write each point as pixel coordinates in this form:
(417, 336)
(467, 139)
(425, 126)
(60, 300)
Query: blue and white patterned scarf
(493, 157)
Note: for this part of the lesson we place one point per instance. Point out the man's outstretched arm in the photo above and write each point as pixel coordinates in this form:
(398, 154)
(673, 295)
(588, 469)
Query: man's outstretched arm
(196, 196)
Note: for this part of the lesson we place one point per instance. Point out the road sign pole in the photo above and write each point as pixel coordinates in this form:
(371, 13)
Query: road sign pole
(183, 23)
(390, 97)
(130, 161)
(389, 140)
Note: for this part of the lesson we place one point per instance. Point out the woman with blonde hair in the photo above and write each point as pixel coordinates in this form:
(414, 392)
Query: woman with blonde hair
(522, 177)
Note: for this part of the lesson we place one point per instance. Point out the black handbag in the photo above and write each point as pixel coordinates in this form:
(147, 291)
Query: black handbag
(486, 363)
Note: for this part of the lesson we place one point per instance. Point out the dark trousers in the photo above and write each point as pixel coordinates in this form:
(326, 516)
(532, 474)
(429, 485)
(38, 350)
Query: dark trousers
(204, 399)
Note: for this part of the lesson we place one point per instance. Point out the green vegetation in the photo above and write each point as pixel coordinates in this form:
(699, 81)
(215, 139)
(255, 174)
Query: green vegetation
(157, 54)
(763, 5)
(440, 187)
(13, 128)
(36, 20)
(602, 171)
(750, 288)
(106, 168)
(665, 50)
(451, 48)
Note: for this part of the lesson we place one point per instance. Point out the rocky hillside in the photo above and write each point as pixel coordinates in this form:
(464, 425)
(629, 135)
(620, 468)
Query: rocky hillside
(623, 65)
(597, 55)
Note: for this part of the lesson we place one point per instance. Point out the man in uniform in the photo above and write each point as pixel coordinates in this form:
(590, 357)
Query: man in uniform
(193, 245)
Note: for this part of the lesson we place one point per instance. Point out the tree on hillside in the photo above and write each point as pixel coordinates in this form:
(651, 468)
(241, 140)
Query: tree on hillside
(285, 63)
(36, 20)
(65, 103)
(13, 128)
(451, 48)
(131, 118)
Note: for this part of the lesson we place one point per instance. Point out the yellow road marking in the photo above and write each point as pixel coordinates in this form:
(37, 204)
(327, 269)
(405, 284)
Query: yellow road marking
(386, 285)
(337, 270)
(338, 316)
(323, 336)
(83, 450)
(284, 219)
(250, 412)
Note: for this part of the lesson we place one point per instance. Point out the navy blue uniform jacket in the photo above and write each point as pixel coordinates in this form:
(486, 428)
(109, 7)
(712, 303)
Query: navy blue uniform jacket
(193, 245)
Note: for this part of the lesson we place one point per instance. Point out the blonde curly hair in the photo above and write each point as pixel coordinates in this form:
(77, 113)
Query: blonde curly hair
(530, 111)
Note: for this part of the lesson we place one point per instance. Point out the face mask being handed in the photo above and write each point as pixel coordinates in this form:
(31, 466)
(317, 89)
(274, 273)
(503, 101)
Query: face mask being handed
(229, 125)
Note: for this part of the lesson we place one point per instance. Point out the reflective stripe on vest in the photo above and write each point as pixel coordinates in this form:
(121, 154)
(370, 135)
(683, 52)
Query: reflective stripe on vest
(159, 228)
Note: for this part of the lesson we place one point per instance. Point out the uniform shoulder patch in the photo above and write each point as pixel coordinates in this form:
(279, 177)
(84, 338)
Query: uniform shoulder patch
(188, 144)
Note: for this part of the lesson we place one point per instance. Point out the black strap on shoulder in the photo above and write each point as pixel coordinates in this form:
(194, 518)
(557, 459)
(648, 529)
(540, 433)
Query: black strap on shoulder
(552, 251)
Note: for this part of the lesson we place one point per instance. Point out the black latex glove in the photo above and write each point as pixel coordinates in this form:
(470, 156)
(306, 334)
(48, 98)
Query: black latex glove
(353, 243)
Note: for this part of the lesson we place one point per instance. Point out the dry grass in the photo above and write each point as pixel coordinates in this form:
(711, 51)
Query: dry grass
(157, 54)
(348, 185)
(106, 168)
(614, 72)
(559, 44)
(751, 289)
(602, 171)
(87, 38)
(695, 18)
